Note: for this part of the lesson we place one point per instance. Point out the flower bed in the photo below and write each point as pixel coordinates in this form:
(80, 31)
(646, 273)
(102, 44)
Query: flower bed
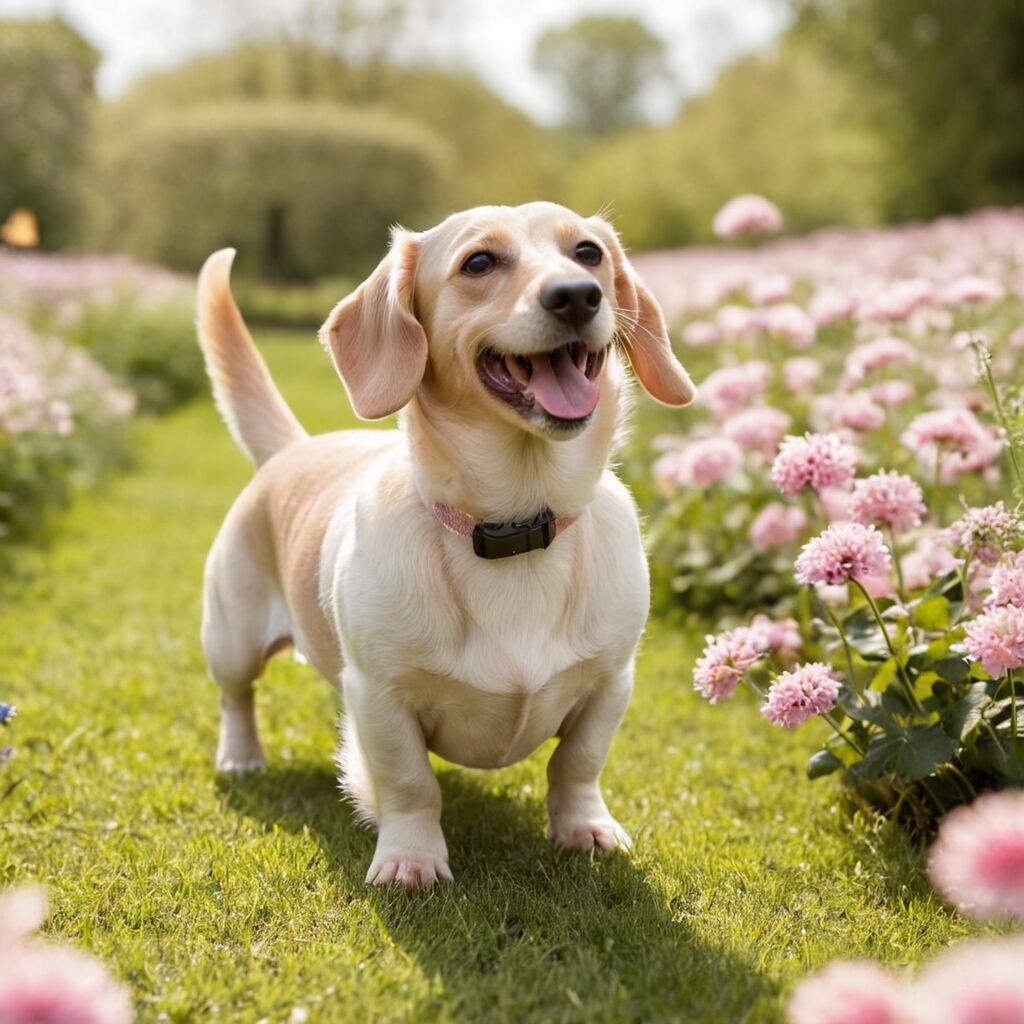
(851, 469)
(84, 342)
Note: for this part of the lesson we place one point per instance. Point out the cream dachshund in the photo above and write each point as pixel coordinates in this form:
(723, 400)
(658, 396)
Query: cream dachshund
(474, 583)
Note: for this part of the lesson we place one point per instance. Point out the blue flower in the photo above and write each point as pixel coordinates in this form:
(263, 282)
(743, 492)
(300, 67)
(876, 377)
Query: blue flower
(7, 712)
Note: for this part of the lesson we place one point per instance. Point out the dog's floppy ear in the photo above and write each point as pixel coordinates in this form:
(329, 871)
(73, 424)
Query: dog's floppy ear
(374, 338)
(644, 335)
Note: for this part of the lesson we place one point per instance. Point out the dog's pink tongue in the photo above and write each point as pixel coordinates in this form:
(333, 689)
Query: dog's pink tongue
(561, 387)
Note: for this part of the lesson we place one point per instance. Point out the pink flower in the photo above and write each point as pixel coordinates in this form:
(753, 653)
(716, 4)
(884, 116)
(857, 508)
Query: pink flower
(848, 992)
(747, 215)
(985, 533)
(828, 305)
(977, 982)
(996, 639)
(787, 320)
(814, 460)
(760, 428)
(769, 288)
(977, 862)
(730, 388)
(700, 334)
(724, 660)
(1017, 338)
(41, 983)
(878, 353)
(843, 552)
(857, 411)
(737, 321)
(776, 524)
(892, 392)
(705, 462)
(782, 635)
(808, 690)
(972, 289)
(897, 301)
(45, 984)
(929, 560)
(1007, 583)
(890, 498)
(801, 373)
(952, 437)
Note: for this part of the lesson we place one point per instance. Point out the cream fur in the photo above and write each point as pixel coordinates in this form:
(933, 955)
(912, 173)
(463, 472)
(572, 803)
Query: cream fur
(332, 545)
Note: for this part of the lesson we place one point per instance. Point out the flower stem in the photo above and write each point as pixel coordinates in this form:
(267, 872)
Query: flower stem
(1014, 734)
(901, 588)
(985, 368)
(846, 648)
(901, 671)
(839, 732)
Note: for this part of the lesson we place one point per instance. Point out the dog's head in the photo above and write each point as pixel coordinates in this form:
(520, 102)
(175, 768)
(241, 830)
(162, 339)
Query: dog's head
(513, 309)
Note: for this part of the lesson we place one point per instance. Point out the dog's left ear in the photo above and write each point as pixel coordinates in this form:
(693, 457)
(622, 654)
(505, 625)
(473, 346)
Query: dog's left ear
(374, 338)
(644, 335)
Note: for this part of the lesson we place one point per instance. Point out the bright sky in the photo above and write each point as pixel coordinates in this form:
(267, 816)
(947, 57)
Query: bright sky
(494, 37)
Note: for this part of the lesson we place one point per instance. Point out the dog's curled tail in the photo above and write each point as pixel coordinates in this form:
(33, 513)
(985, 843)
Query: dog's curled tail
(254, 410)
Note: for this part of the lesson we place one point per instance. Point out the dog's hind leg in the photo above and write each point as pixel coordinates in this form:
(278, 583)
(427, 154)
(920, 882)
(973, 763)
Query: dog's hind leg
(244, 623)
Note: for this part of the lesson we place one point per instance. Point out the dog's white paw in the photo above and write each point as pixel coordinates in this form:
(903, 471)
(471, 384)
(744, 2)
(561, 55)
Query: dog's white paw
(413, 870)
(241, 765)
(599, 833)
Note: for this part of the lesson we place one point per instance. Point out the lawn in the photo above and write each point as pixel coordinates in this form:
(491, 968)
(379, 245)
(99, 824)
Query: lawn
(243, 899)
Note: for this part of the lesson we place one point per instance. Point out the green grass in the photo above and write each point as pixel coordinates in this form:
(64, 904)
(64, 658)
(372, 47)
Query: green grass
(239, 899)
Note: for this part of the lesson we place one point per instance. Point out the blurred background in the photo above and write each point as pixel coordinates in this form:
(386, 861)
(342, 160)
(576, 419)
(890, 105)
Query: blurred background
(298, 132)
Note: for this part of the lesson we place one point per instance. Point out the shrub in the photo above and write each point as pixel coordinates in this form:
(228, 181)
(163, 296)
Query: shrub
(300, 190)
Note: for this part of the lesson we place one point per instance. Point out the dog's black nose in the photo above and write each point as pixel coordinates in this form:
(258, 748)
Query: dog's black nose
(575, 302)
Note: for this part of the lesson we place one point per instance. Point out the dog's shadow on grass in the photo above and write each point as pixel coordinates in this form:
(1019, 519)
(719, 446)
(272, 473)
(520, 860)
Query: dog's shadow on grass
(525, 931)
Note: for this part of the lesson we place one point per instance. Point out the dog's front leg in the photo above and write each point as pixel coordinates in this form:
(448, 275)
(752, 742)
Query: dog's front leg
(410, 844)
(579, 819)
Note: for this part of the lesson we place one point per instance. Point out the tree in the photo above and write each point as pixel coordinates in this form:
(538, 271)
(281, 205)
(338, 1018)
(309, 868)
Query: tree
(46, 90)
(943, 84)
(602, 65)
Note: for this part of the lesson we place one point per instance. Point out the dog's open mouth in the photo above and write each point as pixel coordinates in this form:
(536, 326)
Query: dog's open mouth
(562, 382)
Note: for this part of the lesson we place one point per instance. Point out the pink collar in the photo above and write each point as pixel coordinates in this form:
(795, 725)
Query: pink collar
(500, 540)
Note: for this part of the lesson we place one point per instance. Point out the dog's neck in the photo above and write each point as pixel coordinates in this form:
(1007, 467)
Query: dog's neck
(495, 470)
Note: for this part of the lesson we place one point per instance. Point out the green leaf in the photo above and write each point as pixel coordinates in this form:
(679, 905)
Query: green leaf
(961, 718)
(932, 614)
(880, 756)
(824, 762)
(921, 750)
(952, 669)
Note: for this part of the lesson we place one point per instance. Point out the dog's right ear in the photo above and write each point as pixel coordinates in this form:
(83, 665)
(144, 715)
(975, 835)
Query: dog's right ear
(374, 338)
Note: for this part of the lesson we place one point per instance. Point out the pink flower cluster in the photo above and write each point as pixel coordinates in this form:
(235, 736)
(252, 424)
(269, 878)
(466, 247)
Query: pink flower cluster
(777, 524)
(729, 389)
(843, 552)
(806, 691)
(43, 983)
(985, 533)
(44, 384)
(977, 862)
(725, 659)
(747, 215)
(816, 461)
(1006, 583)
(996, 639)
(954, 440)
(700, 464)
(760, 428)
(891, 498)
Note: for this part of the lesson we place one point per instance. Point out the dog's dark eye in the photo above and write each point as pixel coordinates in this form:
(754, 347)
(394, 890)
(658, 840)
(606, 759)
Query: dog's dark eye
(479, 263)
(588, 254)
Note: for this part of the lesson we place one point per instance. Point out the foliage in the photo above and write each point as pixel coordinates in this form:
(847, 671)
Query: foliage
(941, 84)
(498, 154)
(61, 420)
(45, 108)
(298, 189)
(247, 895)
(601, 64)
(270, 303)
(771, 124)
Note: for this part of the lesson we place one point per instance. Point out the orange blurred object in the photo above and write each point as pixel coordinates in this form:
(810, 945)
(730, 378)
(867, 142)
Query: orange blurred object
(21, 229)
